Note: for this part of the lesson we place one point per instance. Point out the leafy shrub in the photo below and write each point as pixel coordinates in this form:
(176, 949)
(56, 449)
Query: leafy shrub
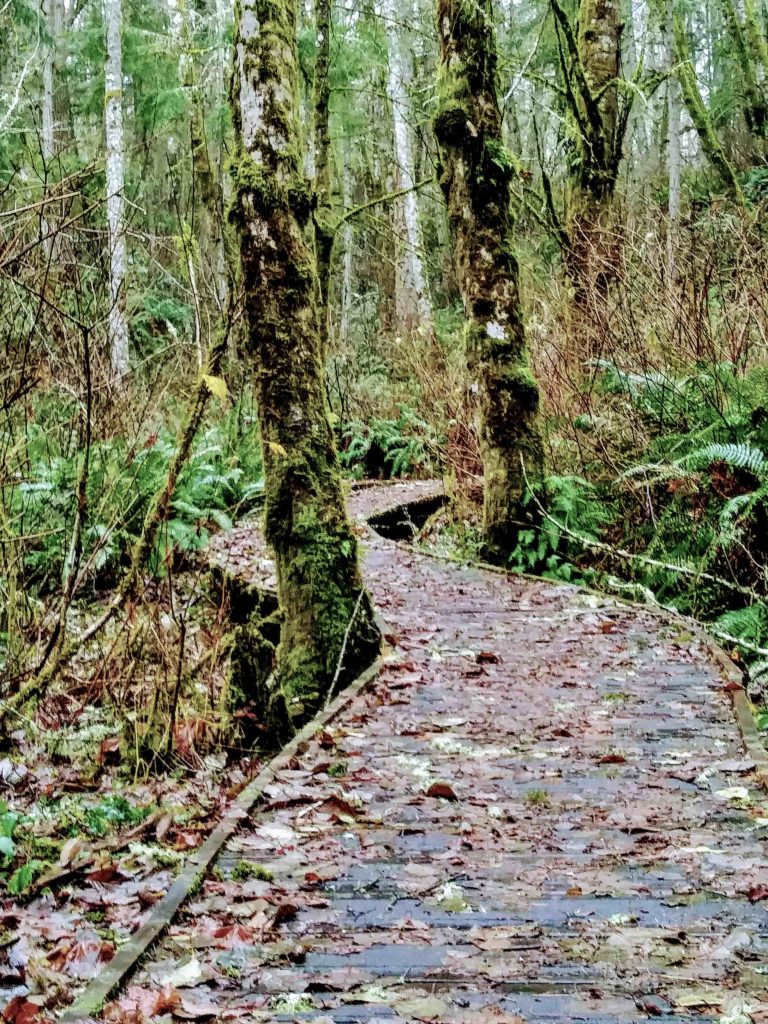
(389, 448)
(222, 475)
(575, 509)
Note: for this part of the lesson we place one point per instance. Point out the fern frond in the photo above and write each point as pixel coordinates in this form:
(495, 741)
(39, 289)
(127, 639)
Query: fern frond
(737, 456)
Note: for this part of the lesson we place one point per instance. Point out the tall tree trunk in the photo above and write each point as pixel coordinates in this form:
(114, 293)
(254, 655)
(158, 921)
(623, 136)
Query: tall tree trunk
(590, 58)
(697, 111)
(475, 177)
(413, 307)
(749, 43)
(323, 155)
(210, 208)
(47, 128)
(327, 615)
(346, 280)
(115, 167)
(674, 160)
(591, 226)
(55, 99)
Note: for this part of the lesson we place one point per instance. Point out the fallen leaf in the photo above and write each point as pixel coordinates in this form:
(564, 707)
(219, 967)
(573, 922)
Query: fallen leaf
(421, 1007)
(185, 976)
(442, 789)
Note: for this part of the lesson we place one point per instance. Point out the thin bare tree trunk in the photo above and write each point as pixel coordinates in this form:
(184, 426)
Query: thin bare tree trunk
(115, 166)
(674, 105)
(347, 268)
(413, 307)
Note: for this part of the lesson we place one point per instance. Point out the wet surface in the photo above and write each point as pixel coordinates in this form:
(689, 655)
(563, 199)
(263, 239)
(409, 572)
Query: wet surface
(540, 811)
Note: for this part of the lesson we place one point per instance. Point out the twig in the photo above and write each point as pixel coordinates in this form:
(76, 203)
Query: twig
(342, 652)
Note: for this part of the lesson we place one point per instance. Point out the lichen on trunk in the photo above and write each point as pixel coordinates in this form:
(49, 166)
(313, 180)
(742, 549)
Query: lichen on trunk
(319, 583)
(475, 175)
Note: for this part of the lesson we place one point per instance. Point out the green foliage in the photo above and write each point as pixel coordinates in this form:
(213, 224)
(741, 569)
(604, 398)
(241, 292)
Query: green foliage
(9, 821)
(24, 876)
(222, 476)
(389, 447)
(574, 508)
(707, 473)
(113, 812)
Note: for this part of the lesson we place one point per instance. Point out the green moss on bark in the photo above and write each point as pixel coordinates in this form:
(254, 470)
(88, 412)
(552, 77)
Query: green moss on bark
(475, 175)
(319, 583)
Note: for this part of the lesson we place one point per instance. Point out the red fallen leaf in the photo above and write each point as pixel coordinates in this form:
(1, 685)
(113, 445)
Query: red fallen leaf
(320, 768)
(84, 959)
(607, 627)
(229, 936)
(339, 809)
(757, 893)
(148, 897)
(322, 874)
(141, 1004)
(186, 839)
(325, 739)
(110, 873)
(612, 759)
(109, 751)
(487, 658)
(442, 789)
(21, 1010)
(284, 912)
(731, 686)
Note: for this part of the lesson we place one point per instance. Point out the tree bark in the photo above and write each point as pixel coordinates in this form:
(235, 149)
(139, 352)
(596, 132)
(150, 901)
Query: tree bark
(115, 174)
(324, 230)
(591, 227)
(749, 44)
(697, 111)
(475, 175)
(674, 159)
(413, 307)
(210, 209)
(319, 582)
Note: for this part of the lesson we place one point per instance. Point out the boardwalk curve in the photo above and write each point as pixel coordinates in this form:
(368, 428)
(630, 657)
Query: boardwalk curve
(540, 809)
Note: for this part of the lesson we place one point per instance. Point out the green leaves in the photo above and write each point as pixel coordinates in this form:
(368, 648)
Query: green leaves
(389, 447)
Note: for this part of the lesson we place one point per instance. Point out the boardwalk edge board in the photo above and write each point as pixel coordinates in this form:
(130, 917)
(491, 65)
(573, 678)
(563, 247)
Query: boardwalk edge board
(91, 1001)
(97, 992)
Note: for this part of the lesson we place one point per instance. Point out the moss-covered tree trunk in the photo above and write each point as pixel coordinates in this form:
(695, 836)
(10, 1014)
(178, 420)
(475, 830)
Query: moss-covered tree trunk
(326, 613)
(591, 225)
(599, 109)
(475, 176)
(751, 51)
(698, 113)
(323, 219)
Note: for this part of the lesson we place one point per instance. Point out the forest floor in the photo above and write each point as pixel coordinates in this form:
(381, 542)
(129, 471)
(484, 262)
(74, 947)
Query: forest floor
(540, 809)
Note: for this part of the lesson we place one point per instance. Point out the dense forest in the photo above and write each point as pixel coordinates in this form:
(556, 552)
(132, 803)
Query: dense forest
(250, 257)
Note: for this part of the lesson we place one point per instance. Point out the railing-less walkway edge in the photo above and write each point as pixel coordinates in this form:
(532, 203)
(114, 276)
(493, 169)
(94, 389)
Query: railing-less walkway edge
(539, 806)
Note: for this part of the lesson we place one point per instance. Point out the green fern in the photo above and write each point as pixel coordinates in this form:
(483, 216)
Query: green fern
(737, 456)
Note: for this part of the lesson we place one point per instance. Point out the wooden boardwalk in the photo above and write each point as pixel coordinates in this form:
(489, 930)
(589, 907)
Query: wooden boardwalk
(541, 809)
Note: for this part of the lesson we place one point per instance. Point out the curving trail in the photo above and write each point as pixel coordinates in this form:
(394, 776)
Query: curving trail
(540, 810)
